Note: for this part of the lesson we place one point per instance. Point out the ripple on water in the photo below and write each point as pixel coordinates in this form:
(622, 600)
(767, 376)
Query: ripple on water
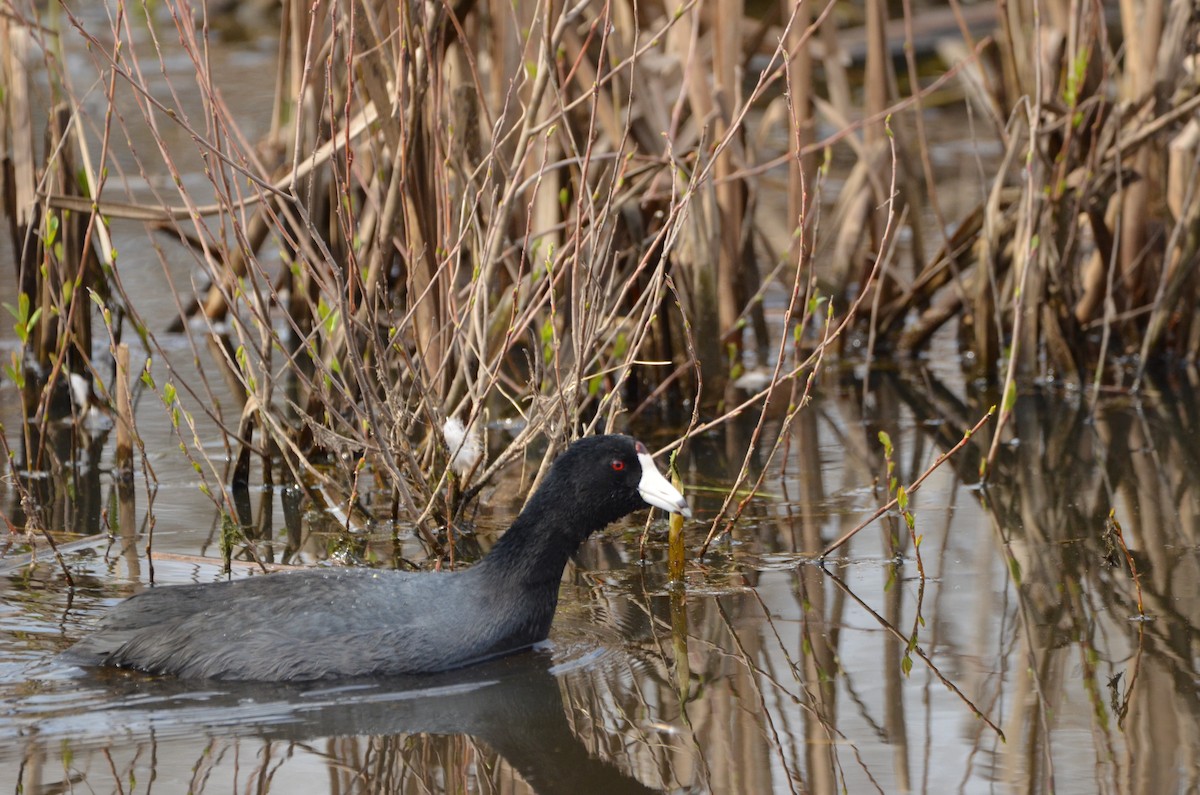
(578, 644)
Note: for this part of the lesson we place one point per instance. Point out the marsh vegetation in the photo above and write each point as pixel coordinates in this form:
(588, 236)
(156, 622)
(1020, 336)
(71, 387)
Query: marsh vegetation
(274, 250)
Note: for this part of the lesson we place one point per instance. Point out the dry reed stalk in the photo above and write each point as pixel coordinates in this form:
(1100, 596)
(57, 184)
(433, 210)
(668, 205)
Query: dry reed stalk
(17, 130)
(730, 194)
(802, 171)
(1089, 269)
(124, 410)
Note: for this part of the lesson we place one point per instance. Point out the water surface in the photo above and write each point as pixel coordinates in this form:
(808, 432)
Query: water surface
(770, 673)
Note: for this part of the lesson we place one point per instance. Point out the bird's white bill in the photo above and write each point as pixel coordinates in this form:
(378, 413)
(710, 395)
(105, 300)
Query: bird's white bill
(657, 490)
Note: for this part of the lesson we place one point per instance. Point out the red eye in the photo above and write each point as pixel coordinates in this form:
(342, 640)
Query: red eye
(618, 465)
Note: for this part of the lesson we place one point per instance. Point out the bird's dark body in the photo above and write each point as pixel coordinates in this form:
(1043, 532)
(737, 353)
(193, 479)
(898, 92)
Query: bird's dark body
(318, 624)
(341, 623)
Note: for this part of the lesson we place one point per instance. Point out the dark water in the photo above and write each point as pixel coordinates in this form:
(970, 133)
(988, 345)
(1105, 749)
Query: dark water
(770, 674)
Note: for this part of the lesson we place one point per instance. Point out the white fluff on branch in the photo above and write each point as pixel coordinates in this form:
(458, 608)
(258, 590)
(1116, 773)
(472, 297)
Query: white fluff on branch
(466, 450)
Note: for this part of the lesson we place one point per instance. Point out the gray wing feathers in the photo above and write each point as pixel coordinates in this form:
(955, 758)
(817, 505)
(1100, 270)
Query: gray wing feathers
(338, 622)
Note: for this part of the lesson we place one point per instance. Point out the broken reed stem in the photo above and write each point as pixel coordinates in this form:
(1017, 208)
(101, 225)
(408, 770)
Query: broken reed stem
(1028, 245)
(1114, 527)
(124, 410)
(912, 488)
(676, 552)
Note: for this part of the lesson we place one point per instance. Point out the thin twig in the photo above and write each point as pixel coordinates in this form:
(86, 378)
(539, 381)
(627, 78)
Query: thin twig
(916, 484)
(883, 622)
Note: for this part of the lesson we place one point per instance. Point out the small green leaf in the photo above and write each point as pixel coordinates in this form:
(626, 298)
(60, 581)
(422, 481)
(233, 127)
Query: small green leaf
(21, 311)
(15, 372)
(1010, 396)
(621, 345)
(33, 319)
(327, 315)
(25, 321)
(1014, 570)
(886, 441)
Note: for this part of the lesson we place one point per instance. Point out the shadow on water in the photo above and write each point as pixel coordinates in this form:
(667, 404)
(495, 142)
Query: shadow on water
(387, 732)
(770, 673)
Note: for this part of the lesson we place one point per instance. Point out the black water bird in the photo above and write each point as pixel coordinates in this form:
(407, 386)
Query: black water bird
(342, 623)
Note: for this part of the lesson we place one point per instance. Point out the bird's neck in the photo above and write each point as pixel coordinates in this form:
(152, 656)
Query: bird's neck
(535, 549)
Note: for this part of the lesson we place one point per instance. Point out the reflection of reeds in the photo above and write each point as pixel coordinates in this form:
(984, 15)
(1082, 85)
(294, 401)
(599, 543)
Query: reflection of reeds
(1092, 512)
(775, 677)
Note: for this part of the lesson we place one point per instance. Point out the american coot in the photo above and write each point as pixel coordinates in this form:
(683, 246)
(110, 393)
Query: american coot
(337, 623)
